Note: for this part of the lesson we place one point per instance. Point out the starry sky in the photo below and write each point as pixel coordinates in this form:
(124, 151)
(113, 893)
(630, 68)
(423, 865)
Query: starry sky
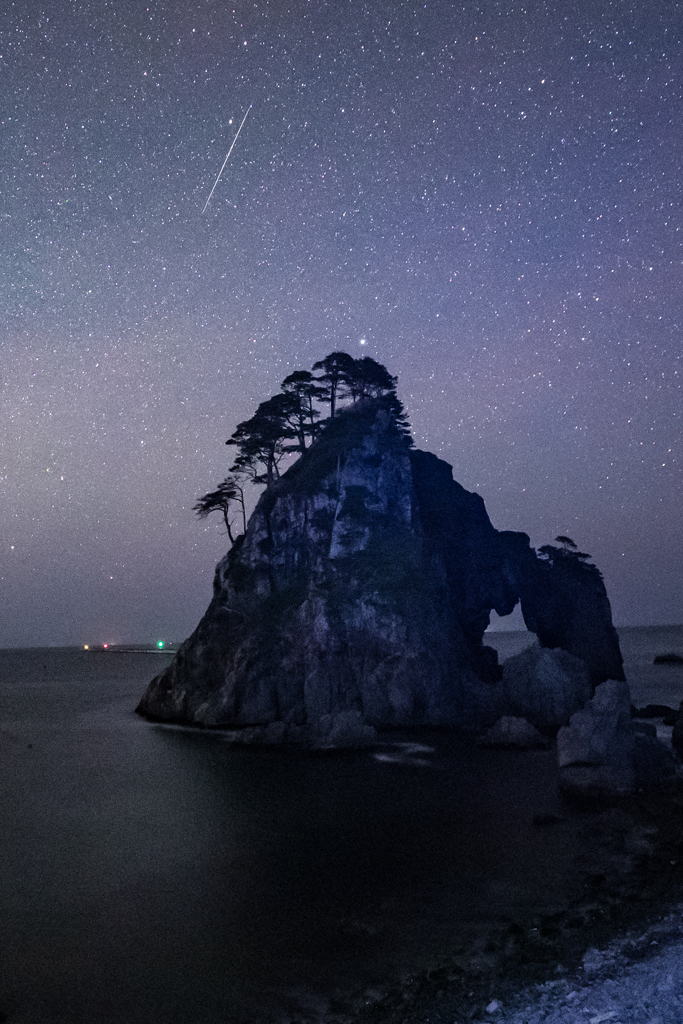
(483, 196)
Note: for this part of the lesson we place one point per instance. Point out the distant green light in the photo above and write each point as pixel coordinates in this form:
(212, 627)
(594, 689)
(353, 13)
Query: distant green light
(160, 643)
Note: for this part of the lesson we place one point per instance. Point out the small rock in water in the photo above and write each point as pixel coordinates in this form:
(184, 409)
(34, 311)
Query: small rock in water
(343, 730)
(509, 731)
(494, 1006)
(654, 711)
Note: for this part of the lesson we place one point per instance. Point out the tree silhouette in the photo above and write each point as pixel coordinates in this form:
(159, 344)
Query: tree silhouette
(262, 440)
(285, 422)
(228, 493)
(370, 379)
(303, 390)
(337, 372)
(568, 553)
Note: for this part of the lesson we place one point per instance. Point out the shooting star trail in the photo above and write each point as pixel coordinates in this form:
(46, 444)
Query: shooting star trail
(226, 159)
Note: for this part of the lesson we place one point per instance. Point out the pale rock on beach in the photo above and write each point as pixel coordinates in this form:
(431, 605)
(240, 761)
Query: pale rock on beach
(601, 754)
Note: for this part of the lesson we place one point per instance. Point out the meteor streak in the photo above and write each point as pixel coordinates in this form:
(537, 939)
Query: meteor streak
(226, 159)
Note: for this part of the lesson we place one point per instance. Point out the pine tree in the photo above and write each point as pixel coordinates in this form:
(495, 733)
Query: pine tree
(303, 389)
(262, 440)
(337, 370)
(228, 494)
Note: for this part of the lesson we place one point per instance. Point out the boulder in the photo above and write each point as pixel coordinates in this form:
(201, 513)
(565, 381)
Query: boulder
(596, 750)
(509, 731)
(344, 731)
(603, 754)
(545, 686)
(653, 763)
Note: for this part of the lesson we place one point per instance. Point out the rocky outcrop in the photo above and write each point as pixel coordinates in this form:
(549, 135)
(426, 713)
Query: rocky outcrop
(510, 731)
(357, 600)
(545, 686)
(602, 754)
(482, 566)
(595, 751)
(564, 602)
(336, 602)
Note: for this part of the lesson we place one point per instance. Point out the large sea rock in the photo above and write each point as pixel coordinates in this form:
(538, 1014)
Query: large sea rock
(603, 754)
(358, 598)
(545, 686)
(596, 751)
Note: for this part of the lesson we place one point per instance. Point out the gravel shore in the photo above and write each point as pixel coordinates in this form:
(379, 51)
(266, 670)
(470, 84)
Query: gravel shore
(635, 980)
(616, 954)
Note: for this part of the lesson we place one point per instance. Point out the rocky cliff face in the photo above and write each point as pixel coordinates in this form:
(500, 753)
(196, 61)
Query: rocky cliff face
(357, 600)
(565, 603)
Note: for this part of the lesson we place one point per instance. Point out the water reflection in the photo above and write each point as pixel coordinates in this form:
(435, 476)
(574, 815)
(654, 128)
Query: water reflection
(405, 753)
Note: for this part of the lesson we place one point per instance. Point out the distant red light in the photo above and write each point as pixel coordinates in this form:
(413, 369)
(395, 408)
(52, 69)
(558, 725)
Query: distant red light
(105, 646)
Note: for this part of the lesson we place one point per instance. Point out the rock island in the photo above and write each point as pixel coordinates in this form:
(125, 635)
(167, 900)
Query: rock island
(358, 595)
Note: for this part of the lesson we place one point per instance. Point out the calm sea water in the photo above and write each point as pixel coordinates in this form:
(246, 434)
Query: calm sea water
(155, 875)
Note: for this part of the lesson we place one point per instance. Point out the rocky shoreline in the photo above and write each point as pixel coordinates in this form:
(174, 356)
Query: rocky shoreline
(625, 907)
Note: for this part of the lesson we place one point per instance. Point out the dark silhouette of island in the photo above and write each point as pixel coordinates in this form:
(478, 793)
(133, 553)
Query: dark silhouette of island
(668, 659)
(358, 595)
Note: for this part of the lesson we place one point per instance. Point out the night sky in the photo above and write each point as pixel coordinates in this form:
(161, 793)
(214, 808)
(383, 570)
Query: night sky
(485, 197)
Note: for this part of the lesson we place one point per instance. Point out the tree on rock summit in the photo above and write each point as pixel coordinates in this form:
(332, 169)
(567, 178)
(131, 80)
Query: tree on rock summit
(290, 422)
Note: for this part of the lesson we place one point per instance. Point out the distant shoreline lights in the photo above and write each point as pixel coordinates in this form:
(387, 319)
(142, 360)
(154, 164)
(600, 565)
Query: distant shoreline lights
(159, 645)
